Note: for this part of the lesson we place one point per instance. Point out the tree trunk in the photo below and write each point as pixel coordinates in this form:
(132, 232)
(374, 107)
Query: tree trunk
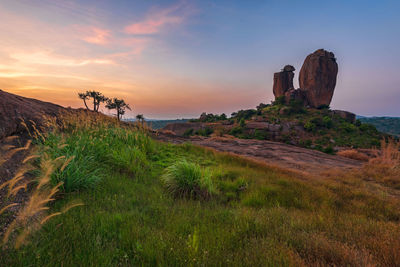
(84, 101)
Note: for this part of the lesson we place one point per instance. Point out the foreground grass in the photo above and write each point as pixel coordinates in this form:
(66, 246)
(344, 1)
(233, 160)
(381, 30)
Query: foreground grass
(260, 215)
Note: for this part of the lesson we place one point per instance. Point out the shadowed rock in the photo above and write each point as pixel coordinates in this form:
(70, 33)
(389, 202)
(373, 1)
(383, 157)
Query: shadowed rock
(318, 77)
(348, 116)
(14, 109)
(283, 81)
(297, 95)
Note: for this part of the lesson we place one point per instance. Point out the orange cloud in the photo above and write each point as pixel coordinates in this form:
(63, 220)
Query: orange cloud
(156, 21)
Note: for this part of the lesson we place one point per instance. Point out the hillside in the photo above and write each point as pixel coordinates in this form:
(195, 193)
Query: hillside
(389, 125)
(119, 198)
(321, 129)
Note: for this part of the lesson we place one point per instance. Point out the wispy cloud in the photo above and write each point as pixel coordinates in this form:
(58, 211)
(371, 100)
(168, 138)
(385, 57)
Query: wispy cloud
(158, 20)
(46, 58)
(93, 35)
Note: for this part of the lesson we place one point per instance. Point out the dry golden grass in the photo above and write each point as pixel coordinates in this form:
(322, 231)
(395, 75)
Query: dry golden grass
(353, 154)
(33, 213)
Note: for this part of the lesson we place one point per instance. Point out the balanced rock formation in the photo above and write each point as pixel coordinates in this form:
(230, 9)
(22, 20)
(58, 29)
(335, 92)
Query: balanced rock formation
(283, 81)
(318, 77)
(317, 80)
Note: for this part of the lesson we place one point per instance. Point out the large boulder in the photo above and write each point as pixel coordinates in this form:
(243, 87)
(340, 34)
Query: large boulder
(318, 77)
(14, 109)
(283, 81)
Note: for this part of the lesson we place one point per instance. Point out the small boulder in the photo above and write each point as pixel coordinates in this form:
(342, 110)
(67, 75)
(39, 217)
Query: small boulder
(348, 116)
(296, 95)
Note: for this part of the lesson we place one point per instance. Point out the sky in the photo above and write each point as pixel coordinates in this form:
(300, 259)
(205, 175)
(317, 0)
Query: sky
(177, 59)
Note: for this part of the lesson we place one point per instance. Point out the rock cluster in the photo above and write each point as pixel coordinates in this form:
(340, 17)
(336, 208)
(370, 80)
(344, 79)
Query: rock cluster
(317, 80)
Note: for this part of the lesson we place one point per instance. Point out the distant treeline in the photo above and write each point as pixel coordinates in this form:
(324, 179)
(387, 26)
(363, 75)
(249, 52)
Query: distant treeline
(158, 124)
(390, 125)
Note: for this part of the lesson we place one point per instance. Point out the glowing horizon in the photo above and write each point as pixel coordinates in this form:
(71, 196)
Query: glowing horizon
(176, 59)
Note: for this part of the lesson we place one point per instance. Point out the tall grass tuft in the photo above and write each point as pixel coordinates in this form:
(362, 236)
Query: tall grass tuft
(92, 144)
(187, 180)
(33, 213)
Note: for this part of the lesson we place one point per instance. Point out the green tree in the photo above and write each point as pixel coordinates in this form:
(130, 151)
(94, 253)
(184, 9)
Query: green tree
(96, 97)
(140, 118)
(119, 105)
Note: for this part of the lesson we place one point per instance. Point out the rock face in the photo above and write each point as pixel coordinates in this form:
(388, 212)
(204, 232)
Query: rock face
(318, 77)
(283, 81)
(296, 95)
(348, 116)
(14, 109)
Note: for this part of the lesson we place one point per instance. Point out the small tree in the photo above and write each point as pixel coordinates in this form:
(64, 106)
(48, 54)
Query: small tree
(97, 99)
(119, 105)
(140, 118)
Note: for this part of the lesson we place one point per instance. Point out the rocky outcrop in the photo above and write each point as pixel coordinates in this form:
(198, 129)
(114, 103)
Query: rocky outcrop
(348, 116)
(318, 77)
(297, 95)
(14, 109)
(283, 81)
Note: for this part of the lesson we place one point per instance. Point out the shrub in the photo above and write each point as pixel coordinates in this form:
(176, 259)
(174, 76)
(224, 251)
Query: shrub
(348, 127)
(242, 122)
(279, 101)
(188, 132)
(309, 126)
(329, 150)
(327, 122)
(204, 132)
(366, 127)
(296, 106)
(236, 131)
(185, 179)
(260, 134)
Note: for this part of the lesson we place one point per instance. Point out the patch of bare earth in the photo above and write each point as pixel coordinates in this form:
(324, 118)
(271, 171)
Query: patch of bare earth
(273, 153)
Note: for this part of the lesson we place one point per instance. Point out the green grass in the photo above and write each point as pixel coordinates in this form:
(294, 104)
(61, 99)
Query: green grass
(186, 179)
(258, 216)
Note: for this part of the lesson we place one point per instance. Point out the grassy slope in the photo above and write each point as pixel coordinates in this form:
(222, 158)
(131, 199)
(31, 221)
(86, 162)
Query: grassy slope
(280, 219)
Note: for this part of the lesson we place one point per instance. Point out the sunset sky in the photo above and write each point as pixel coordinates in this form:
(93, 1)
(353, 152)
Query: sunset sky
(175, 59)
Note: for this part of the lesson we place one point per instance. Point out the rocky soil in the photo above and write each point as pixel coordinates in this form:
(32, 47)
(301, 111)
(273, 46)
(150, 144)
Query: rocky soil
(272, 153)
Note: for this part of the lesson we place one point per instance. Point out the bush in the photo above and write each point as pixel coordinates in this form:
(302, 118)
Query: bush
(296, 107)
(242, 122)
(348, 127)
(260, 134)
(236, 131)
(279, 101)
(188, 132)
(185, 179)
(204, 132)
(309, 126)
(327, 122)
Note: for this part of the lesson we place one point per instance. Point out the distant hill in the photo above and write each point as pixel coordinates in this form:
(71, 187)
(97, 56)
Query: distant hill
(390, 125)
(158, 124)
